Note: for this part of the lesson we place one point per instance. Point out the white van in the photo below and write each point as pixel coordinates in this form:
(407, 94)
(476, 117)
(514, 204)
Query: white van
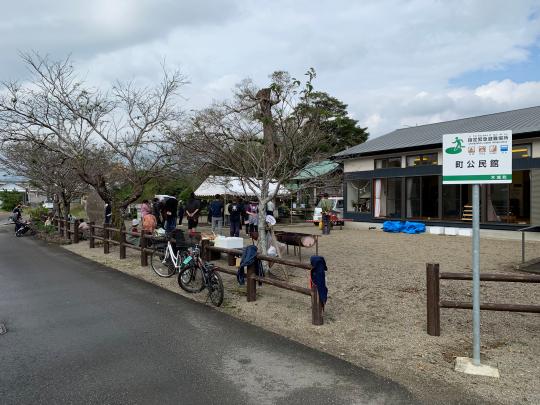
(337, 207)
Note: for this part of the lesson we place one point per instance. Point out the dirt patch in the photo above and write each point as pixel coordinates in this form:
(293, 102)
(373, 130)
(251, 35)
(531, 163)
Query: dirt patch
(375, 316)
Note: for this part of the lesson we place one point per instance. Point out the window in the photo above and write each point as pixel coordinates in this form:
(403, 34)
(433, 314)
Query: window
(413, 197)
(510, 203)
(521, 151)
(451, 201)
(422, 160)
(388, 198)
(422, 197)
(393, 198)
(388, 162)
(359, 196)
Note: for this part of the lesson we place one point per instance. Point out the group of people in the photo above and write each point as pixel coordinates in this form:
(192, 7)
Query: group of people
(169, 212)
(236, 213)
(166, 212)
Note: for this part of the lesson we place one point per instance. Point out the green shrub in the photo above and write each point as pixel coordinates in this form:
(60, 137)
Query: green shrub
(10, 199)
(41, 227)
(37, 213)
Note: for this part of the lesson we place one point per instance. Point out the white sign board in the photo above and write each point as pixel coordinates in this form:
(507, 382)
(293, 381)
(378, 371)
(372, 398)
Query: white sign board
(477, 158)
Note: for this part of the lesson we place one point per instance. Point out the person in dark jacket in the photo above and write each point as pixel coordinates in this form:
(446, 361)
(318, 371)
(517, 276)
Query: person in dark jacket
(193, 207)
(216, 210)
(236, 211)
(16, 216)
(108, 213)
(180, 212)
(156, 210)
(170, 209)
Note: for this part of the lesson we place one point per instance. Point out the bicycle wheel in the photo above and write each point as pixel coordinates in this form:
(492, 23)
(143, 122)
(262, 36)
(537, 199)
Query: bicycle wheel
(161, 266)
(215, 287)
(190, 279)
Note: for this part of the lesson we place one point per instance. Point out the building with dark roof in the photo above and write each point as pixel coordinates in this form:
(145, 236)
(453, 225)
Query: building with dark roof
(399, 175)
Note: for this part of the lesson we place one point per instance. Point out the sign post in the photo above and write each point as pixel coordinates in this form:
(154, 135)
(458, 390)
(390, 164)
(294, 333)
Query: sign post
(477, 158)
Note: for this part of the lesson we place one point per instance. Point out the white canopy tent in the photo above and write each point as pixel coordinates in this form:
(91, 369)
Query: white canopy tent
(226, 185)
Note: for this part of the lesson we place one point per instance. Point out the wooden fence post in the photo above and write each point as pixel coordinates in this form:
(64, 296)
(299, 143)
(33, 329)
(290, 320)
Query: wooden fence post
(67, 230)
(76, 231)
(144, 257)
(251, 283)
(316, 307)
(91, 236)
(205, 252)
(122, 242)
(433, 299)
(106, 238)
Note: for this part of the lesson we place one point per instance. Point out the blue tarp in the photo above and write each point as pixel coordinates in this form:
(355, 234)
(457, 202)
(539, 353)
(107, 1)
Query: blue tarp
(406, 227)
(392, 226)
(414, 227)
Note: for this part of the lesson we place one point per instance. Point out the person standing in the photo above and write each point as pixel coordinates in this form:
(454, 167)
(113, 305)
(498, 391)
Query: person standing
(193, 207)
(226, 214)
(171, 207)
(216, 209)
(16, 216)
(326, 207)
(236, 210)
(108, 213)
(253, 219)
(149, 223)
(180, 212)
(145, 208)
(156, 209)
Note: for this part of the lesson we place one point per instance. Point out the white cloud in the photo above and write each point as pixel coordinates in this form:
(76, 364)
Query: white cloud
(390, 61)
(496, 96)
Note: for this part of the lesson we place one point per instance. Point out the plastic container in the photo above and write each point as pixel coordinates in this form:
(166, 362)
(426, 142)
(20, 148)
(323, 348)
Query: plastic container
(229, 242)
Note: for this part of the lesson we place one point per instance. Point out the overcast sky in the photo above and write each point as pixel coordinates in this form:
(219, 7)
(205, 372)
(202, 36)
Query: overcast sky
(395, 63)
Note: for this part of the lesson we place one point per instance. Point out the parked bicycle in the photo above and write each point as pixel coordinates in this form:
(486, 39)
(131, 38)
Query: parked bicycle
(165, 262)
(194, 275)
(202, 275)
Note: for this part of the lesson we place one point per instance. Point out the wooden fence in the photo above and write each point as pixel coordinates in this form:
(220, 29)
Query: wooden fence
(253, 279)
(70, 230)
(434, 302)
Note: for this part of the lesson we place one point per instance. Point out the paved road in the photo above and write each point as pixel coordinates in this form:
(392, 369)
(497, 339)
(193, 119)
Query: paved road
(81, 333)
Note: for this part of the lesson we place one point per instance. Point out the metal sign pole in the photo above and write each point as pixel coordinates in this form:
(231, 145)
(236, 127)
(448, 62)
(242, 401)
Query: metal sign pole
(476, 273)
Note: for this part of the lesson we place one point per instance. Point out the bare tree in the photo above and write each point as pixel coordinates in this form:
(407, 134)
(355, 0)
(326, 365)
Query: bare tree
(115, 139)
(259, 136)
(48, 171)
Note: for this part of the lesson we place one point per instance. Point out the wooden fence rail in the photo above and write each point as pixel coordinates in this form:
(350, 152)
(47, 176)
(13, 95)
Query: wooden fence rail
(253, 278)
(114, 236)
(434, 303)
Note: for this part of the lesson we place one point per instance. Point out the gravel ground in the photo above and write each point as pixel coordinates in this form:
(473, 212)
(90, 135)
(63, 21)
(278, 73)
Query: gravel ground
(375, 315)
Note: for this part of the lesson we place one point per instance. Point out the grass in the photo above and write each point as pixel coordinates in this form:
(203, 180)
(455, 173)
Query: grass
(77, 210)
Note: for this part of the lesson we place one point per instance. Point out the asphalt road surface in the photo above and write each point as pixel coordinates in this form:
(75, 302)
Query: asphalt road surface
(78, 333)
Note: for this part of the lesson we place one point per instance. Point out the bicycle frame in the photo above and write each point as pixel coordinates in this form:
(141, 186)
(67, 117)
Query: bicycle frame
(169, 252)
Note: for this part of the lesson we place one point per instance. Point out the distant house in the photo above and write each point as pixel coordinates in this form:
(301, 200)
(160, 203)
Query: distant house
(20, 184)
(399, 175)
